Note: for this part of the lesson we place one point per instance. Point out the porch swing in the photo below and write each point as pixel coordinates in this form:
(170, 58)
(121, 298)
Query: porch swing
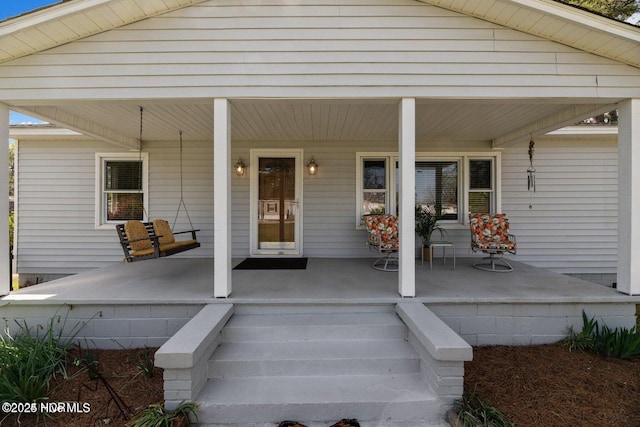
(147, 240)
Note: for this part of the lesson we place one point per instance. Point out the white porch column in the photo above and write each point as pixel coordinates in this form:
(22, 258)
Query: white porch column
(221, 198)
(629, 197)
(407, 219)
(5, 280)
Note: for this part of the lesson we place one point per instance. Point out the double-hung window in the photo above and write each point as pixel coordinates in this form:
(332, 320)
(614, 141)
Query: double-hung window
(373, 198)
(481, 185)
(121, 187)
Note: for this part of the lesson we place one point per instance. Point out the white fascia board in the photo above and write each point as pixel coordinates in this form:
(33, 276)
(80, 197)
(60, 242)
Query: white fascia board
(567, 117)
(48, 14)
(41, 132)
(582, 17)
(586, 130)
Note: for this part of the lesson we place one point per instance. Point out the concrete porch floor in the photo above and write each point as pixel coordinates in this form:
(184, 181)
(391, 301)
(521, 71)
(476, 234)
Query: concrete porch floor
(325, 281)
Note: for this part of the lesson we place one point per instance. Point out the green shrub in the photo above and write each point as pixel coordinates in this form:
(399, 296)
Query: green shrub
(582, 340)
(473, 412)
(29, 362)
(621, 343)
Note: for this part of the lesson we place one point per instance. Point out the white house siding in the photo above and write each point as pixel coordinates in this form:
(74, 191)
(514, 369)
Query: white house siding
(56, 207)
(239, 48)
(571, 226)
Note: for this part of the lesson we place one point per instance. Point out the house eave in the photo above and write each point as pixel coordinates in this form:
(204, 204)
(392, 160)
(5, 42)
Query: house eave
(58, 24)
(557, 22)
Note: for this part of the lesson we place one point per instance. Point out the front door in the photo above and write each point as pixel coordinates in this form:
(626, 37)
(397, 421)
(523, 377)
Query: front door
(276, 203)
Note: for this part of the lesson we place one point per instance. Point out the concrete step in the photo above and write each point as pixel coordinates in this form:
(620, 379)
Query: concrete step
(295, 358)
(244, 400)
(319, 327)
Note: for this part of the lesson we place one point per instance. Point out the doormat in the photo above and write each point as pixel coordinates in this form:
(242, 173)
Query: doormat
(272, 264)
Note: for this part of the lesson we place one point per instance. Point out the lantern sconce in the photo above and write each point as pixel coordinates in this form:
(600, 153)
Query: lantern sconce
(240, 167)
(312, 167)
(531, 171)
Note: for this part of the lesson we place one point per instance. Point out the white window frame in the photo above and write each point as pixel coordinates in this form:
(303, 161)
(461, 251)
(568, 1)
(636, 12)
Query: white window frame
(360, 158)
(462, 158)
(460, 161)
(101, 159)
(494, 201)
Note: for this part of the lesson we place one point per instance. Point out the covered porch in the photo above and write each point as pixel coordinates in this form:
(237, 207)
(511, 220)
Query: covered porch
(324, 281)
(145, 303)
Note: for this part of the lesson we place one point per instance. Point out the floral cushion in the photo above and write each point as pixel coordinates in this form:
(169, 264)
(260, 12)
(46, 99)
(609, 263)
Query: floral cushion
(491, 232)
(383, 231)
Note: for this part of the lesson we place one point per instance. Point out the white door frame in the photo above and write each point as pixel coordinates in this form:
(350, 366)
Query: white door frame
(255, 154)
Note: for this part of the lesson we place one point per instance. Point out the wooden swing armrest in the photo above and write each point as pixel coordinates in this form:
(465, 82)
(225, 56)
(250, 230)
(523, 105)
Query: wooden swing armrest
(187, 231)
(193, 233)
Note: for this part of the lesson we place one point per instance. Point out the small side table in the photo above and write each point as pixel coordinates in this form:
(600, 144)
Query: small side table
(444, 245)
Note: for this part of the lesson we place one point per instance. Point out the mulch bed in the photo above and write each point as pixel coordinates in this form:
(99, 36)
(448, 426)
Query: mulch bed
(550, 386)
(533, 386)
(120, 370)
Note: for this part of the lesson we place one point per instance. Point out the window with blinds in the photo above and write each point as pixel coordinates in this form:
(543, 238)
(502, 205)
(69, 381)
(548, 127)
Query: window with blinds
(437, 187)
(481, 192)
(123, 196)
(121, 188)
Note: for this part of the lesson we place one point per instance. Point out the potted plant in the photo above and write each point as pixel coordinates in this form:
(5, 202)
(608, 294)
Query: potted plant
(426, 224)
(157, 415)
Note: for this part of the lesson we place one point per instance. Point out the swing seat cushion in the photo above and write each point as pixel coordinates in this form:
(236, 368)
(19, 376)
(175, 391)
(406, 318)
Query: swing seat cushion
(176, 245)
(166, 238)
(145, 240)
(163, 231)
(138, 237)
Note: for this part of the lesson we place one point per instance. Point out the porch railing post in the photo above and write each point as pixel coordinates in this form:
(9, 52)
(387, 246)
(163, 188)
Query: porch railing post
(628, 280)
(406, 228)
(222, 198)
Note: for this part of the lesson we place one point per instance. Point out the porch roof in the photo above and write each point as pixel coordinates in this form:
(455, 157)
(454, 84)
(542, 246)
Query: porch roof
(325, 281)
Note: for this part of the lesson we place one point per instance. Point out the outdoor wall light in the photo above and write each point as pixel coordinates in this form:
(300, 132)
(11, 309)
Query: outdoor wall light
(240, 167)
(312, 167)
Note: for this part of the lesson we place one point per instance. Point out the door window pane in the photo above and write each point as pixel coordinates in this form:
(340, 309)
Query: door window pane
(276, 203)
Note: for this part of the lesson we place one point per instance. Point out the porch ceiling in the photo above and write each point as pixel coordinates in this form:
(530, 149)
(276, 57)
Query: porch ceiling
(321, 120)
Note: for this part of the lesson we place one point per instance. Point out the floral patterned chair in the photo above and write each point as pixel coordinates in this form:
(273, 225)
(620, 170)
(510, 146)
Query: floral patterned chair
(382, 233)
(490, 235)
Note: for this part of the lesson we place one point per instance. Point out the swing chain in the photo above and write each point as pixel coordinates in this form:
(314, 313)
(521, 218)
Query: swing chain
(181, 203)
